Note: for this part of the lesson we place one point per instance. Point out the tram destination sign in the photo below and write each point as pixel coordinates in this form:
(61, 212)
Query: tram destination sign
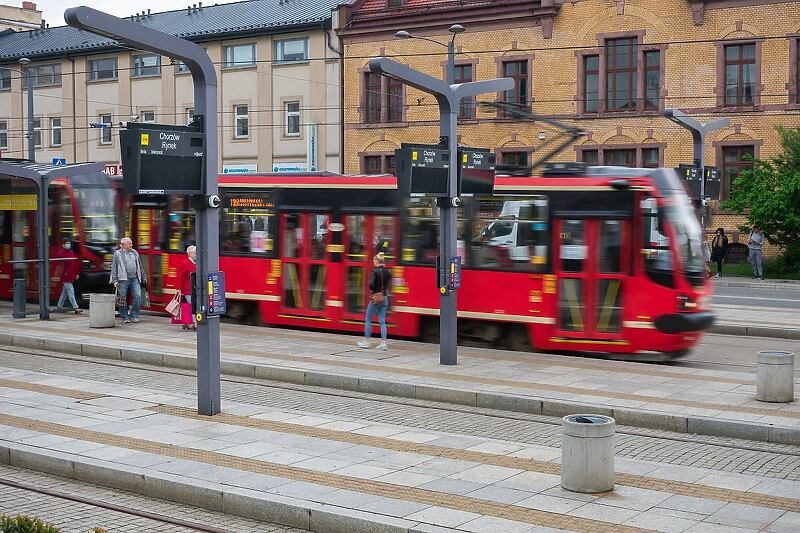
(162, 159)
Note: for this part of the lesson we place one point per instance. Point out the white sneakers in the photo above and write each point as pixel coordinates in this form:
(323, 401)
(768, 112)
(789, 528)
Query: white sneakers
(364, 343)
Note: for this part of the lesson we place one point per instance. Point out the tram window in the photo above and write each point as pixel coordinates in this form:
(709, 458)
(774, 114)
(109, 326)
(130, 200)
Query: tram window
(384, 237)
(655, 244)
(181, 224)
(511, 233)
(356, 236)
(421, 237)
(610, 249)
(98, 212)
(62, 220)
(249, 224)
(573, 245)
(319, 236)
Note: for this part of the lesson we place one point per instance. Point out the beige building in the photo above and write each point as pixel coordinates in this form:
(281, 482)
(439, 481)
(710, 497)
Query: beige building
(22, 18)
(278, 69)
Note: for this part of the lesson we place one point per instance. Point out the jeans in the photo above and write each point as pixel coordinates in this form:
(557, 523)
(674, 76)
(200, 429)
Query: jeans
(126, 287)
(381, 310)
(67, 292)
(756, 260)
(719, 266)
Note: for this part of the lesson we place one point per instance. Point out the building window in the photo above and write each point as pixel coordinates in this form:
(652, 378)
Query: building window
(515, 159)
(105, 131)
(292, 119)
(189, 115)
(383, 99)
(734, 160)
(518, 70)
(463, 74)
(621, 74)
(55, 131)
(620, 158)
(44, 75)
(3, 134)
(149, 117)
(240, 55)
(37, 132)
(103, 69)
(591, 84)
(394, 3)
(740, 74)
(378, 164)
(591, 157)
(797, 71)
(5, 79)
(180, 67)
(650, 157)
(652, 79)
(146, 65)
(291, 50)
(242, 120)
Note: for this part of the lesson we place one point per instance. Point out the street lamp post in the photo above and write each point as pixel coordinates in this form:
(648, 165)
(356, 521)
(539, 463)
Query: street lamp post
(26, 71)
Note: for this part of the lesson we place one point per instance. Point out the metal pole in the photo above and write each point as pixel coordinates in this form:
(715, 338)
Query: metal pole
(31, 146)
(44, 252)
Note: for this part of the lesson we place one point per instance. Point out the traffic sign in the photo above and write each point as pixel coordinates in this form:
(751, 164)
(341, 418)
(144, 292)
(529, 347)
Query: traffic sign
(59, 161)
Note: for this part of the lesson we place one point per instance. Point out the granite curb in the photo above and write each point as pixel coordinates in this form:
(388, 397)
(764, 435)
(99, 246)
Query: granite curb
(744, 330)
(788, 285)
(527, 404)
(246, 503)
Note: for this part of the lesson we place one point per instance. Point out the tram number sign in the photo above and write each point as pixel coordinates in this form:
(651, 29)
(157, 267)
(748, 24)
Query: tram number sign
(454, 274)
(162, 159)
(216, 294)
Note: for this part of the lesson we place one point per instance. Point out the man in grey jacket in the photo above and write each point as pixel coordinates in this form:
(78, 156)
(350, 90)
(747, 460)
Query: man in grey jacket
(755, 245)
(128, 277)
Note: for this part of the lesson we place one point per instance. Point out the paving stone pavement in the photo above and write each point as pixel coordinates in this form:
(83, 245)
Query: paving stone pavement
(730, 455)
(76, 517)
(347, 466)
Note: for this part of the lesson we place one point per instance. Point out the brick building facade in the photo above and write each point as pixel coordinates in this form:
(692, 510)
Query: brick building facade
(610, 67)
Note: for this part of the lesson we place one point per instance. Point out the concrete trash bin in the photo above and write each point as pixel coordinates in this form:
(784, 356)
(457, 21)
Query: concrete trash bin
(587, 453)
(775, 376)
(101, 310)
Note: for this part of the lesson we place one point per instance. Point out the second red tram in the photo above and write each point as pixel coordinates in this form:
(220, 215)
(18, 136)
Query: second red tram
(607, 261)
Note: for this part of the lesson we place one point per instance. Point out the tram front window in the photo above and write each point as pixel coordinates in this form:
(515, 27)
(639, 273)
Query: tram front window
(677, 212)
(98, 213)
(687, 232)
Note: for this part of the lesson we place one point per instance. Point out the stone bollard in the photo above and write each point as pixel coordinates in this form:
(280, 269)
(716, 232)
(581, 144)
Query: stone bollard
(587, 453)
(775, 376)
(101, 310)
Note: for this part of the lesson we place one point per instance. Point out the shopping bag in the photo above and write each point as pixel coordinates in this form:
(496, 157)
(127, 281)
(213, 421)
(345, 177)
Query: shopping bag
(120, 299)
(145, 299)
(174, 305)
(185, 316)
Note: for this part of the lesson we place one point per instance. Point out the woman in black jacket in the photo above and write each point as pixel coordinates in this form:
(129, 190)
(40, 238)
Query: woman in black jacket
(379, 282)
(719, 248)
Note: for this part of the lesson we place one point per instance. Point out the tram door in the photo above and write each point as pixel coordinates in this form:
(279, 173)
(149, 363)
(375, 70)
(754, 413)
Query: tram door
(364, 236)
(147, 230)
(305, 262)
(591, 263)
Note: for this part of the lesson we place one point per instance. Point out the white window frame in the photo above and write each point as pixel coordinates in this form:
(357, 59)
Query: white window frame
(37, 132)
(5, 79)
(280, 46)
(105, 131)
(36, 75)
(151, 119)
(55, 131)
(3, 134)
(245, 118)
(231, 62)
(189, 115)
(138, 70)
(94, 73)
(289, 115)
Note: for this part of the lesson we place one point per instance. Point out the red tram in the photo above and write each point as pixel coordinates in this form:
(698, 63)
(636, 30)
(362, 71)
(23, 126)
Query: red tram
(81, 208)
(607, 261)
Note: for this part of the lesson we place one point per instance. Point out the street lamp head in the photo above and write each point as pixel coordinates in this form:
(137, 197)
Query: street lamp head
(402, 34)
(456, 28)
(24, 61)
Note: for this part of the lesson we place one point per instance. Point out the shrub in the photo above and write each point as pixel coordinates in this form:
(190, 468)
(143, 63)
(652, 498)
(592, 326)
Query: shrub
(25, 524)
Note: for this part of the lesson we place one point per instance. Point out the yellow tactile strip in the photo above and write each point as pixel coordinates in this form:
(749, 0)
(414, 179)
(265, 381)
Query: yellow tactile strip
(377, 488)
(47, 389)
(505, 382)
(631, 480)
(674, 487)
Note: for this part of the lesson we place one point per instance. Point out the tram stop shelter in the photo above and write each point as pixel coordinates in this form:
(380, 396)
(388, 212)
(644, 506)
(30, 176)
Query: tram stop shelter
(41, 175)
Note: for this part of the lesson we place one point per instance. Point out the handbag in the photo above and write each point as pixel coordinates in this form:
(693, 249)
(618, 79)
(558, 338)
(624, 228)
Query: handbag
(379, 297)
(174, 305)
(120, 300)
(184, 316)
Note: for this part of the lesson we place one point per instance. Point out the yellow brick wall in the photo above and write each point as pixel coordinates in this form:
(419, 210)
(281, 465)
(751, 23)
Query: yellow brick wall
(690, 72)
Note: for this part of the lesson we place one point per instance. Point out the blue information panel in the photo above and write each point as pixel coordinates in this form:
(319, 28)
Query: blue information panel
(454, 275)
(216, 293)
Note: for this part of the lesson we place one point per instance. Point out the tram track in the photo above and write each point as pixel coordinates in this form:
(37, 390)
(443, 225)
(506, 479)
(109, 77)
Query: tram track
(512, 426)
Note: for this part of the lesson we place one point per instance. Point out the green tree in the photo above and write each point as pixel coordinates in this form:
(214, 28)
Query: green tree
(770, 191)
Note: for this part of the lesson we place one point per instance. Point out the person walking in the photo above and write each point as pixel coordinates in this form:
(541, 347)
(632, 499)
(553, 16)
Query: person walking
(379, 282)
(185, 270)
(70, 269)
(755, 247)
(719, 249)
(128, 277)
